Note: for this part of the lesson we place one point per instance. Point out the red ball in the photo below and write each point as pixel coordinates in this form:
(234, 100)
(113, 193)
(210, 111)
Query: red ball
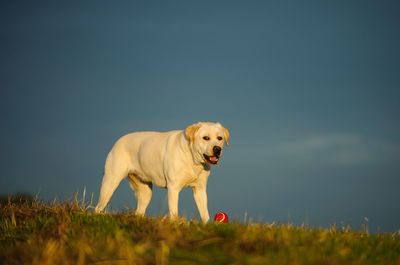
(221, 217)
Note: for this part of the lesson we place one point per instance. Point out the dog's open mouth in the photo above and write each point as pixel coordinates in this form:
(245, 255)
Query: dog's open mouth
(213, 160)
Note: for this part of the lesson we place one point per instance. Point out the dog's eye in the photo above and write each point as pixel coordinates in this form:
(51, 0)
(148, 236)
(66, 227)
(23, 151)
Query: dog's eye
(206, 138)
(219, 138)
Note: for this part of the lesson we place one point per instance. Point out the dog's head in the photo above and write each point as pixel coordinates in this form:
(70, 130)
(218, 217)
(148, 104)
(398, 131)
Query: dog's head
(206, 140)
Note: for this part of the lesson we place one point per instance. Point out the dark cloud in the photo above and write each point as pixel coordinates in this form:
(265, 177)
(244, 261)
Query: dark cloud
(308, 89)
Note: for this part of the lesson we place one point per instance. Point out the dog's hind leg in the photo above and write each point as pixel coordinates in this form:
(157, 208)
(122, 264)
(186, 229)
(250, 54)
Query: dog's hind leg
(114, 173)
(143, 193)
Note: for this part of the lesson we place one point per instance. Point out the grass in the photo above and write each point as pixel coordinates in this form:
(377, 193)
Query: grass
(35, 232)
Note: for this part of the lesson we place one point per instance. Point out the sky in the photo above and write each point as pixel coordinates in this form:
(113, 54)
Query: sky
(309, 91)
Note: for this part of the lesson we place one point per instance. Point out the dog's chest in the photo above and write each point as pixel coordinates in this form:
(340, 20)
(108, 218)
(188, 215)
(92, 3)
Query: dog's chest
(193, 177)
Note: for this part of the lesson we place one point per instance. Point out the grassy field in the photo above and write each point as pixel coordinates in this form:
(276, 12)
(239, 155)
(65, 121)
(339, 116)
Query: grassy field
(34, 232)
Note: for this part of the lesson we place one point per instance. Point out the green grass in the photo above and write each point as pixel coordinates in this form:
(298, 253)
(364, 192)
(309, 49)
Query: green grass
(33, 232)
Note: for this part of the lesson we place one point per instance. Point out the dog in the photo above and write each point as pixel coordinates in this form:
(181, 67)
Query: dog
(172, 160)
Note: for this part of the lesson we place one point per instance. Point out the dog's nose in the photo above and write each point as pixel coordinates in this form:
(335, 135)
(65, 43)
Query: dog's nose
(217, 150)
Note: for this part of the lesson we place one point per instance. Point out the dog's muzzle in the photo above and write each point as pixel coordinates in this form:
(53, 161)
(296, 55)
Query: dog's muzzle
(213, 160)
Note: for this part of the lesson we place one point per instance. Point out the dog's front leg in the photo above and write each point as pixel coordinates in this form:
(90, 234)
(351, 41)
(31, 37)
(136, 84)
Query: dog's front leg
(173, 198)
(200, 197)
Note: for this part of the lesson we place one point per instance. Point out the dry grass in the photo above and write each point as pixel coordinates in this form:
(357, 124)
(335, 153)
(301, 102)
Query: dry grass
(33, 232)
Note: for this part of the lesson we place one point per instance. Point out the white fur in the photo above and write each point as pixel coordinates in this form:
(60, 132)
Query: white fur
(172, 160)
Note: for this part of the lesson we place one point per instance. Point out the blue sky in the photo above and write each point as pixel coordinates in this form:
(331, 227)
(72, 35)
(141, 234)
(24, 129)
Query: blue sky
(308, 89)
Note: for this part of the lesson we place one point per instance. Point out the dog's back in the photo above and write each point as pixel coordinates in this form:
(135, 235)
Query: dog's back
(143, 154)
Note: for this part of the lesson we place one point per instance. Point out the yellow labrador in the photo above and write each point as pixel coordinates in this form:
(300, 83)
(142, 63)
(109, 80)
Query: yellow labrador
(172, 160)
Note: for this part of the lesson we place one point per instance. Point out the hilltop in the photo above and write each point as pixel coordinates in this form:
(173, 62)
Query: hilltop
(35, 232)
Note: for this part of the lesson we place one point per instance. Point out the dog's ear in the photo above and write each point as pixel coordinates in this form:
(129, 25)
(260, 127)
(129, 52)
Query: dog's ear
(226, 134)
(191, 131)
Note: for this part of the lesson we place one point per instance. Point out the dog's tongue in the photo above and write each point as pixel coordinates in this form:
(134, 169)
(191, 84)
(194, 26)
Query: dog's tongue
(213, 158)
